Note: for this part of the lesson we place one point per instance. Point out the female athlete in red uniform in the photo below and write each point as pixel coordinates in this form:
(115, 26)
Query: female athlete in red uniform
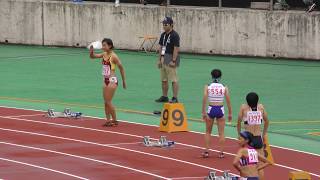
(109, 62)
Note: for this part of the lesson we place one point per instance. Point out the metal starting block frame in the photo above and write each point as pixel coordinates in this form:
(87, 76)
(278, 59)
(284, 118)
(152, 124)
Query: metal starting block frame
(226, 176)
(162, 142)
(67, 113)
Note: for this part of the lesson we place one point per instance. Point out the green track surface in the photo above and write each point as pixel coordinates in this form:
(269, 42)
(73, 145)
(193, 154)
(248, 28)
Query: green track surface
(47, 77)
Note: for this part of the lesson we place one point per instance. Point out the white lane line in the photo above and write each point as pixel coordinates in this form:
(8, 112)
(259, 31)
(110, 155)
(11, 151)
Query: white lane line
(41, 167)
(202, 177)
(280, 147)
(132, 135)
(85, 158)
(27, 115)
(114, 147)
(119, 144)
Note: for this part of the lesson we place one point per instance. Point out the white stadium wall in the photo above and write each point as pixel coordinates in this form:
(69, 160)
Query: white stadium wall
(21, 22)
(288, 34)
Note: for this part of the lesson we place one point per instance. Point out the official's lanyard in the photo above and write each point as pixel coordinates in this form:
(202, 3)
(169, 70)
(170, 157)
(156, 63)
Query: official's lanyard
(164, 37)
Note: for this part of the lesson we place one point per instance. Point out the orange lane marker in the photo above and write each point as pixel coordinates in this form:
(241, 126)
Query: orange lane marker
(314, 133)
(173, 118)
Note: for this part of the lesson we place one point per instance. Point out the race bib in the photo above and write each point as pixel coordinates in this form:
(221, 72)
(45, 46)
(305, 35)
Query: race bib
(106, 70)
(216, 91)
(163, 50)
(254, 117)
(253, 156)
(113, 79)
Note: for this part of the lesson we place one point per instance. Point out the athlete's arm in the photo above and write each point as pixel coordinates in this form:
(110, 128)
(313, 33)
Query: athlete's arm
(265, 161)
(117, 61)
(228, 104)
(93, 55)
(204, 102)
(237, 159)
(266, 122)
(240, 115)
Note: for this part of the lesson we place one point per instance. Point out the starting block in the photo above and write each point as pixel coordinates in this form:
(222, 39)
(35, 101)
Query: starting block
(211, 176)
(67, 113)
(226, 176)
(299, 175)
(162, 142)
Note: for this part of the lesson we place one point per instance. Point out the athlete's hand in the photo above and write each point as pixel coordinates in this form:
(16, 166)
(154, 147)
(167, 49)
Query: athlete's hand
(204, 116)
(91, 51)
(264, 138)
(124, 85)
(229, 118)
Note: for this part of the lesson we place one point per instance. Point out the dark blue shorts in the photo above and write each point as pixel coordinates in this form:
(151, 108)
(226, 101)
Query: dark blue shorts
(252, 178)
(257, 142)
(215, 111)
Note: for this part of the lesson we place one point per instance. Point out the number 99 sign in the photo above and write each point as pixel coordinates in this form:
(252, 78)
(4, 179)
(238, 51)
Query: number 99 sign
(173, 118)
(176, 115)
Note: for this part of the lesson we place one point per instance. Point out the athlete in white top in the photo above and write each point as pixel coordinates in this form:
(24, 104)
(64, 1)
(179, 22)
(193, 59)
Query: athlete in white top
(214, 94)
(254, 115)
